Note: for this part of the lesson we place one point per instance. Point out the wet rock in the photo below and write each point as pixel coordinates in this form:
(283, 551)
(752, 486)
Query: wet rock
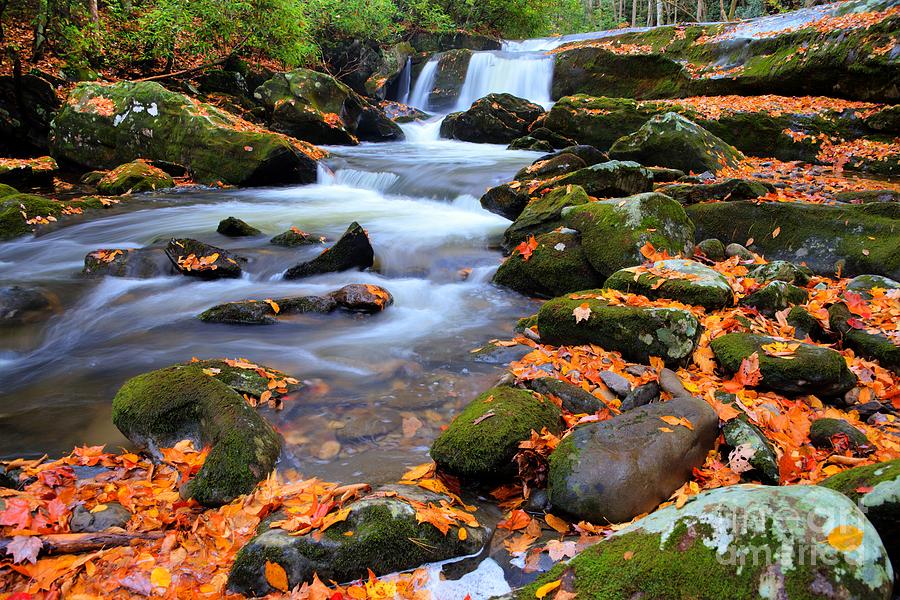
(733, 542)
(85, 521)
(136, 176)
(574, 399)
(543, 214)
(28, 172)
(781, 270)
(874, 346)
(481, 441)
(617, 469)
(434, 41)
(262, 312)
(357, 60)
(665, 175)
(386, 537)
(198, 259)
(21, 214)
(686, 281)
(351, 251)
(101, 125)
(620, 386)
(614, 231)
(611, 179)
(641, 396)
(294, 237)
(363, 298)
(507, 200)
(733, 249)
(670, 382)
(234, 227)
(558, 164)
(863, 284)
(775, 296)
(158, 409)
(221, 81)
(873, 488)
(137, 263)
(860, 238)
(809, 370)
(24, 304)
(590, 155)
(805, 325)
(528, 142)
(673, 141)
(386, 79)
(741, 434)
(822, 432)
(729, 189)
(712, 249)
(402, 113)
(638, 333)
(449, 78)
(496, 354)
(318, 108)
(494, 119)
(541, 139)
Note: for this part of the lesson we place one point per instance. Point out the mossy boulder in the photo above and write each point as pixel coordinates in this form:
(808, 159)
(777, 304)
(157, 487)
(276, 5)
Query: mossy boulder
(712, 249)
(875, 489)
(351, 251)
(541, 139)
(234, 227)
(101, 125)
(866, 196)
(873, 345)
(739, 542)
(822, 432)
(740, 433)
(295, 237)
(864, 284)
(380, 533)
(199, 259)
(810, 369)
(729, 189)
(482, 440)
(136, 263)
(686, 281)
(555, 165)
(449, 77)
(261, 312)
(27, 172)
(556, 266)
(670, 140)
(21, 214)
(862, 239)
(613, 232)
(158, 409)
(507, 200)
(133, 177)
(610, 179)
(544, 213)
(612, 471)
(318, 108)
(494, 119)
(775, 296)
(805, 324)
(637, 332)
(781, 270)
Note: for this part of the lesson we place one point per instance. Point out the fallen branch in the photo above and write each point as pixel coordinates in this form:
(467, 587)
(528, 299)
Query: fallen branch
(75, 543)
(192, 70)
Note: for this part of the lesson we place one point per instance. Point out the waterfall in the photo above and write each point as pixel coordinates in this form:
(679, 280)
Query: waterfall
(527, 75)
(424, 84)
(405, 80)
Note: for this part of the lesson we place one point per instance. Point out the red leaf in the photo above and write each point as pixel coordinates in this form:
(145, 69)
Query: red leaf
(17, 514)
(527, 248)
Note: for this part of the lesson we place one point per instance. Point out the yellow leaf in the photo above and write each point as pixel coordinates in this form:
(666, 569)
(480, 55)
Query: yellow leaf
(275, 308)
(665, 430)
(462, 534)
(545, 589)
(333, 518)
(423, 470)
(556, 523)
(845, 538)
(99, 508)
(776, 232)
(160, 577)
(276, 576)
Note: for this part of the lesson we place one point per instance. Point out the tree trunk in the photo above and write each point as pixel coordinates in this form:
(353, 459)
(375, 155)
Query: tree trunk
(634, 13)
(94, 11)
(732, 10)
(41, 21)
(659, 12)
(721, 10)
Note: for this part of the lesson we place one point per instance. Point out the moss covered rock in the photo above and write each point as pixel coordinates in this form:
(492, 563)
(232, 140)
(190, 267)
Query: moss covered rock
(102, 125)
(863, 284)
(161, 408)
(448, 79)
(670, 140)
(482, 440)
(556, 266)
(137, 263)
(27, 172)
(741, 433)
(729, 189)
(21, 214)
(873, 345)
(712, 249)
(573, 398)
(739, 542)
(544, 214)
(318, 108)
(638, 333)
(775, 296)
(614, 470)
(133, 177)
(860, 238)
(687, 281)
(380, 533)
(810, 369)
(351, 251)
(614, 231)
(494, 119)
(805, 324)
(507, 200)
(234, 227)
(781, 270)
(553, 166)
(295, 237)
(199, 259)
(822, 432)
(610, 179)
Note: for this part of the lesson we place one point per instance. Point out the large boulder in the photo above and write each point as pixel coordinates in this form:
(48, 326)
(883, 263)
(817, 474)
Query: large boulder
(686, 281)
(544, 213)
(27, 106)
(809, 369)
(613, 232)
(199, 259)
(637, 332)
(351, 251)
(507, 199)
(494, 119)
(158, 409)
(610, 179)
(859, 239)
(136, 176)
(449, 76)
(612, 471)
(483, 439)
(738, 542)
(102, 125)
(28, 172)
(380, 534)
(670, 140)
(318, 108)
(556, 266)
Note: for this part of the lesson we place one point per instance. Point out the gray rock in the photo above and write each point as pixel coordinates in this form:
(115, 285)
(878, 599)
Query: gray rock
(619, 385)
(20, 304)
(351, 251)
(84, 521)
(574, 399)
(641, 396)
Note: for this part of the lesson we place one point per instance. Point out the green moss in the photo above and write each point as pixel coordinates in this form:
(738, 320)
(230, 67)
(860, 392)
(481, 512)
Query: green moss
(557, 266)
(874, 346)
(822, 430)
(136, 176)
(855, 483)
(13, 222)
(702, 286)
(805, 325)
(485, 449)
(775, 296)
(739, 432)
(543, 214)
(526, 323)
(7, 190)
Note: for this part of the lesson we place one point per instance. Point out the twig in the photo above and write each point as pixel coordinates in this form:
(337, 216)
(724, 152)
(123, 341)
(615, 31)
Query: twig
(74, 543)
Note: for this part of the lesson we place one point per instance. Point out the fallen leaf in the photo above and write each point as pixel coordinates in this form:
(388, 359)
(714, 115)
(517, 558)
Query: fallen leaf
(556, 523)
(24, 547)
(276, 576)
(845, 538)
(160, 577)
(410, 426)
(582, 312)
(545, 589)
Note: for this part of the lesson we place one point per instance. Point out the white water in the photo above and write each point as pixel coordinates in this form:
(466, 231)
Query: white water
(424, 84)
(405, 81)
(527, 75)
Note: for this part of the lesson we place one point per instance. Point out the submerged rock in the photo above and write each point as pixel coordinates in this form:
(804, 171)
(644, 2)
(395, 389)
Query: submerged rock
(139, 263)
(24, 304)
(133, 177)
(809, 369)
(638, 333)
(686, 281)
(737, 542)
(198, 259)
(161, 408)
(234, 227)
(351, 251)
(494, 119)
(671, 140)
(556, 266)
(482, 440)
(614, 470)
